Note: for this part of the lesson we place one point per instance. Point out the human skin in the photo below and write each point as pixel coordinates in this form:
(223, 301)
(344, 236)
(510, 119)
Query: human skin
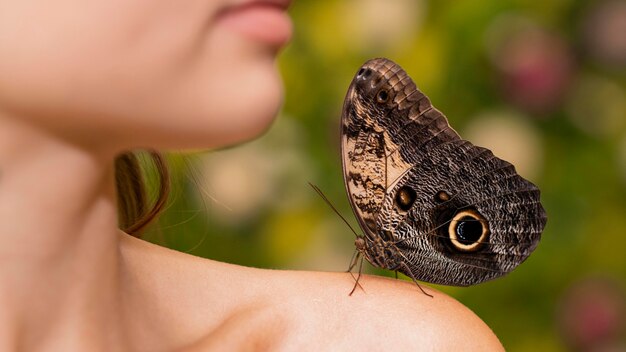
(81, 82)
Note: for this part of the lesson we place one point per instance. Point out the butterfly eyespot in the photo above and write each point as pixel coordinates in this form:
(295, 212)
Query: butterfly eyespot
(382, 96)
(367, 73)
(360, 73)
(468, 230)
(405, 197)
(441, 197)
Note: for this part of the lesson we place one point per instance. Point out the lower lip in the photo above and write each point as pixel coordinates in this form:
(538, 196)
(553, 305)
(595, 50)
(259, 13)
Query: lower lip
(261, 22)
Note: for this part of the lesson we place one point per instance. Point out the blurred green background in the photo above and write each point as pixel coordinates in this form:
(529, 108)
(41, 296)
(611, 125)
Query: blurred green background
(541, 83)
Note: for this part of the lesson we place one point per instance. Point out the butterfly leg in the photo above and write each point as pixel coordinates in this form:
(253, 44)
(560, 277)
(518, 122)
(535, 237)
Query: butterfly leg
(356, 280)
(353, 260)
(407, 270)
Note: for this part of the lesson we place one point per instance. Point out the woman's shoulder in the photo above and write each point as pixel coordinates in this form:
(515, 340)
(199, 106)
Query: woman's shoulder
(381, 314)
(245, 308)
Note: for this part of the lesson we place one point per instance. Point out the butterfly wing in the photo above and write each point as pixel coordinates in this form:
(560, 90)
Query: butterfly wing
(454, 213)
(371, 158)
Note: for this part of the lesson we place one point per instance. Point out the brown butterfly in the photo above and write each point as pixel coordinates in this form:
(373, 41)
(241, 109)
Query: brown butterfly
(431, 205)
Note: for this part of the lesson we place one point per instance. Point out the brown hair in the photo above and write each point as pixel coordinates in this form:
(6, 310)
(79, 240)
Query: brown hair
(134, 212)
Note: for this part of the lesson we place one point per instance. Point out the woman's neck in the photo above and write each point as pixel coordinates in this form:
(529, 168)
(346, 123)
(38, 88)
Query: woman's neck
(59, 255)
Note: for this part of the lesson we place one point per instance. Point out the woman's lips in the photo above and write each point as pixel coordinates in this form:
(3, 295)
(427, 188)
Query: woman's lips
(265, 21)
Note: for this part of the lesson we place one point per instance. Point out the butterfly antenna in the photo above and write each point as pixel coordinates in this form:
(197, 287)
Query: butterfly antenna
(357, 255)
(321, 194)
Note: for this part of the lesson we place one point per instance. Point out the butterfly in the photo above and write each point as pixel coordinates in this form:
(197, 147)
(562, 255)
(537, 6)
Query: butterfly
(431, 205)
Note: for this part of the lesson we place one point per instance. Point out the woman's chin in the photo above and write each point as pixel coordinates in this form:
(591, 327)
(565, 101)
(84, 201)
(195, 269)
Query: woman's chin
(242, 129)
(248, 103)
(255, 104)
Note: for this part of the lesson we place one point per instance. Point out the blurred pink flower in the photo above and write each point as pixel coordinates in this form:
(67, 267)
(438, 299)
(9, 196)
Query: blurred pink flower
(535, 66)
(592, 315)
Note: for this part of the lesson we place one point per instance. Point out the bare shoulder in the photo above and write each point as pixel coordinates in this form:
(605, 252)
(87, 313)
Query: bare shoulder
(214, 305)
(387, 314)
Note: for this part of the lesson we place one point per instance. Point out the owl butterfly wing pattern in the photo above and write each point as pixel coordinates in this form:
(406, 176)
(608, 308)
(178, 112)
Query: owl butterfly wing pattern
(431, 204)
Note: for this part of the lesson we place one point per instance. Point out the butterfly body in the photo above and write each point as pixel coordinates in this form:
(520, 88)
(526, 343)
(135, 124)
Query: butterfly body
(431, 205)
